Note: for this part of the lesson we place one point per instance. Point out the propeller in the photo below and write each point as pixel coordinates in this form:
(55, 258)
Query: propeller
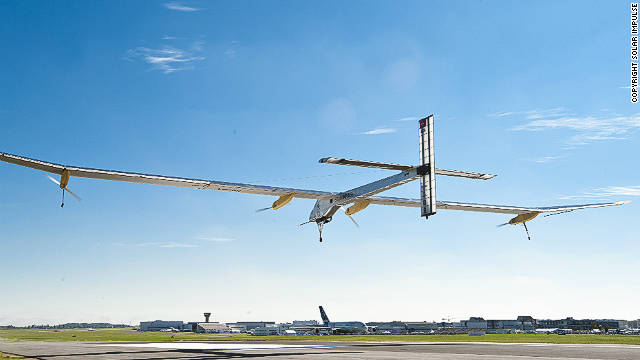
(523, 223)
(54, 180)
(63, 190)
(352, 219)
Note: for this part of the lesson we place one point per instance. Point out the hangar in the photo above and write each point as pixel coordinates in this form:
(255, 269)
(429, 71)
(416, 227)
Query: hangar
(212, 328)
(160, 325)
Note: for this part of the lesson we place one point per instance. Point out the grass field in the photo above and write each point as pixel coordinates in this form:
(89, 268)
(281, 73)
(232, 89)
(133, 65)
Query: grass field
(5, 356)
(131, 335)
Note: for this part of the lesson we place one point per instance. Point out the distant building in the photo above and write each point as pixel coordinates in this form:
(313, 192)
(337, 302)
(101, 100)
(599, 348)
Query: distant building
(390, 327)
(582, 324)
(633, 324)
(522, 323)
(527, 322)
(413, 326)
(503, 325)
(304, 322)
(212, 327)
(265, 330)
(159, 325)
(250, 325)
(235, 328)
(476, 323)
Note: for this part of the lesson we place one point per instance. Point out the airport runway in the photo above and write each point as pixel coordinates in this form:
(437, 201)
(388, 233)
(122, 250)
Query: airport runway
(315, 350)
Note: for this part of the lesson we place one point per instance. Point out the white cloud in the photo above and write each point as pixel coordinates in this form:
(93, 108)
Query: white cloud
(167, 59)
(179, 7)
(409, 118)
(546, 159)
(605, 192)
(159, 244)
(502, 114)
(379, 131)
(548, 113)
(587, 128)
(215, 239)
(178, 245)
(534, 114)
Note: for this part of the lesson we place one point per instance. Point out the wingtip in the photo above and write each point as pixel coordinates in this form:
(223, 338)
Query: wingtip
(623, 202)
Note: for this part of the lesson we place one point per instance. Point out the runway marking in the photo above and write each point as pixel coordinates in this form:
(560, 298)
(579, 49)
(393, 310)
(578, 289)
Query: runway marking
(219, 346)
(620, 346)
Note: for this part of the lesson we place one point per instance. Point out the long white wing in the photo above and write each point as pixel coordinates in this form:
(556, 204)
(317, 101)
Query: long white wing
(161, 180)
(502, 209)
(271, 190)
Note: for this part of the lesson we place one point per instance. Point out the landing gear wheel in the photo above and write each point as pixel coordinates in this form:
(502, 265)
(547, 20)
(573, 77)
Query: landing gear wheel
(320, 226)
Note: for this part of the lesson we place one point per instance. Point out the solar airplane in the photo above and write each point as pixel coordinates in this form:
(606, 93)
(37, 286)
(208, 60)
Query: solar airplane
(328, 203)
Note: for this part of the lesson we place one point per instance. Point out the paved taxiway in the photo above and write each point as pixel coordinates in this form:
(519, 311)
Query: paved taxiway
(315, 350)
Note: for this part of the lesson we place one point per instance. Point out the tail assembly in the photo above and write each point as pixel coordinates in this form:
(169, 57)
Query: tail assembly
(323, 315)
(426, 170)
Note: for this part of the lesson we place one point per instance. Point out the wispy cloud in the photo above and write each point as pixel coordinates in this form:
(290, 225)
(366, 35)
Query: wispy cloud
(605, 192)
(178, 245)
(502, 114)
(534, 114)
(587, 128)
(379, 131)
(179, 7)
(546, 159)
(215, 239)
(158, 244)
(546, 114)
(409, 118)
(167, 59)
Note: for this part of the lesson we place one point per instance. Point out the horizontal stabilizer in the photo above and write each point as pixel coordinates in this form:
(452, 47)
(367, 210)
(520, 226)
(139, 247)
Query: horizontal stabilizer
(362, 163)
(400, 167)
(464, 174)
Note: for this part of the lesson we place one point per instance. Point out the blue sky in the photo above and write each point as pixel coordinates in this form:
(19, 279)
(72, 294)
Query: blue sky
(257, 92)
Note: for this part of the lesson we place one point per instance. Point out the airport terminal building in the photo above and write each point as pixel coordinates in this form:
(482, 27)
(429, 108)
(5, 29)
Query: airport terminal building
(473, 324)
(584, 324)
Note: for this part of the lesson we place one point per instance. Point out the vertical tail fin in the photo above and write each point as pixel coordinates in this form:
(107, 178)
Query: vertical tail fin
(426, 170)
(323, 315)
